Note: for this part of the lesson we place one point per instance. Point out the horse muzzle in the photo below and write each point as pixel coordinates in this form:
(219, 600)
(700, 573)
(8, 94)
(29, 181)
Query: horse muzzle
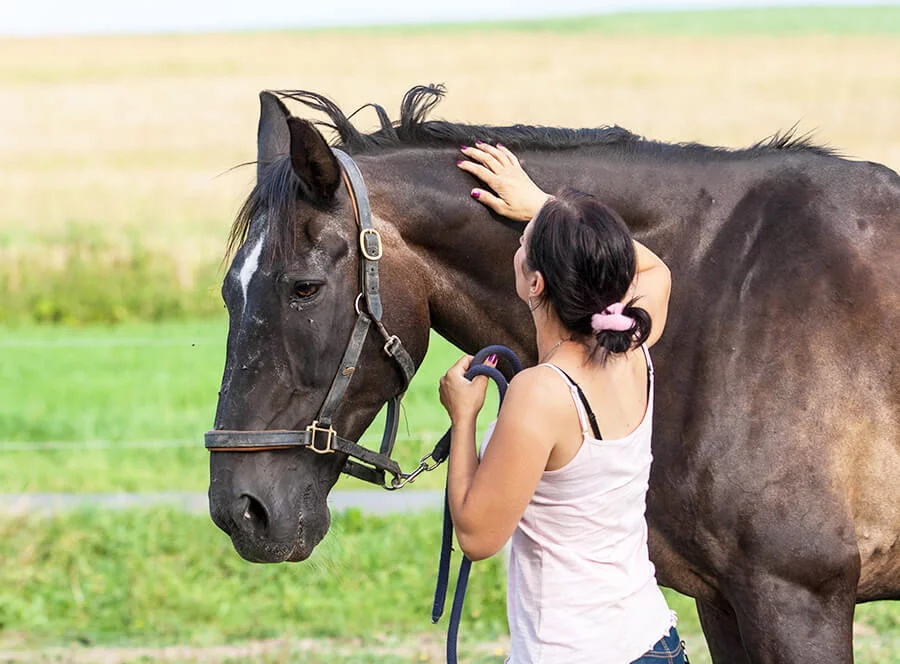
(275, 511)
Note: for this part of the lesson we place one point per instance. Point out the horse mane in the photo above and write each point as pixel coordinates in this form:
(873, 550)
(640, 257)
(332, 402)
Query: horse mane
(277, 191)
(414, 129)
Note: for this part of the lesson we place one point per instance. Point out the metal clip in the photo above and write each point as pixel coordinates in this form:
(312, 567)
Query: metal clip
(313, 429)
(392, 344)
(372, 256)
(400, 481)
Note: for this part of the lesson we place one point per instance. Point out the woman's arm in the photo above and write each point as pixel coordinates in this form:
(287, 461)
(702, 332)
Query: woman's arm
(651, 287)
(487, 500)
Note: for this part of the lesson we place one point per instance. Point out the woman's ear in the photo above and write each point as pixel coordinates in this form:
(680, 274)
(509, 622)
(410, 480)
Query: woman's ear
(536, 287)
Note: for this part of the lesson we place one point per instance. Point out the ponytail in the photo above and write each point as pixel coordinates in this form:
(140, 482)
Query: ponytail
(619, 328)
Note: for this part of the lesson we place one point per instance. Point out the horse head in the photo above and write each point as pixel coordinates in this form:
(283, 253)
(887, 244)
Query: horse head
(294, 301)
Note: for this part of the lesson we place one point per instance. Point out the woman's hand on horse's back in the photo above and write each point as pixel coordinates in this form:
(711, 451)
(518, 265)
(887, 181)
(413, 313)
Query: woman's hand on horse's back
(514, 194)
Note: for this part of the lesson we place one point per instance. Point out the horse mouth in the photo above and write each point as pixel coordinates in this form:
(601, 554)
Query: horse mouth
(255, 551)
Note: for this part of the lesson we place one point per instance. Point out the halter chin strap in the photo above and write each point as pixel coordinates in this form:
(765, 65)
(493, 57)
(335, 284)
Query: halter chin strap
(320, 436)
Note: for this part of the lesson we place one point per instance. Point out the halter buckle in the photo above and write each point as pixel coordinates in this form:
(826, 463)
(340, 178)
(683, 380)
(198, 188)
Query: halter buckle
(313, 429)
(392, 344)
(376, 251)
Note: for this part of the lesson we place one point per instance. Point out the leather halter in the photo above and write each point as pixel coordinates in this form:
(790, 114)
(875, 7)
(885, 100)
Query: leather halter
(320, 436)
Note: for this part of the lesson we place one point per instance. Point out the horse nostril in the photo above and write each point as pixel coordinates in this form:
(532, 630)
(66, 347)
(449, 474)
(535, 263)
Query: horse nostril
(251, 514)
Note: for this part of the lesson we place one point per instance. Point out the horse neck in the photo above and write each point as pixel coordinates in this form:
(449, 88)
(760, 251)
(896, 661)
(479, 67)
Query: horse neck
(462, 258)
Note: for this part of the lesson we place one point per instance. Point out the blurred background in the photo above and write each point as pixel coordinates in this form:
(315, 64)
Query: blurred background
(123, 128)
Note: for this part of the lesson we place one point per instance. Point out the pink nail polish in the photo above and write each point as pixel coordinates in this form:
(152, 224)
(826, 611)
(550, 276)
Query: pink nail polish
(479, 142)
(500, 145)
(463, 147)
(459, 161)
(492, 359)
(476, 194)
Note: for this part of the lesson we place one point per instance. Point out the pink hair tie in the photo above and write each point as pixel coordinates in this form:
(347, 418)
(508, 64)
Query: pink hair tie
(612, 318)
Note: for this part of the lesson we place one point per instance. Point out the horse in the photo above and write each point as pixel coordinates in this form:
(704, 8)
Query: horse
(773, 498)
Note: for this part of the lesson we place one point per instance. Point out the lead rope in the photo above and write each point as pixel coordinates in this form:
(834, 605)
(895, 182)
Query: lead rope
(441, 451)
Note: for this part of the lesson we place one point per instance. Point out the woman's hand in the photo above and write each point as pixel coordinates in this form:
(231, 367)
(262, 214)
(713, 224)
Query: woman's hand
(517, 197)
(463, 398)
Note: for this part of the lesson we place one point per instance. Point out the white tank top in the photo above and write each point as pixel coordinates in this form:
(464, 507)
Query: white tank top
(581, 587)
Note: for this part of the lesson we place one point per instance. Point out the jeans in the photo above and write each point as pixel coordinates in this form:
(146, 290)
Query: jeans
(668, 650)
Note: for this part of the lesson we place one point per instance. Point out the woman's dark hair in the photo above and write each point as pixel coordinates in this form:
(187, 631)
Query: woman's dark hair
(586, 254)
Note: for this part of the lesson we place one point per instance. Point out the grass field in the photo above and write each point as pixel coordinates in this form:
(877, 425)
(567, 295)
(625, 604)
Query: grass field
(159, 577)
(81, 577)
(143, 397)
(116, 197)
(768, 21)
(116, 151)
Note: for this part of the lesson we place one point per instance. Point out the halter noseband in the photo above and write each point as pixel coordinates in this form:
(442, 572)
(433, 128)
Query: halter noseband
(320, 436)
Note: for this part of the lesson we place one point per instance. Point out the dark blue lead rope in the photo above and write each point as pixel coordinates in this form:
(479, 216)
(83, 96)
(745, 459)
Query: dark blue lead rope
(441, 451)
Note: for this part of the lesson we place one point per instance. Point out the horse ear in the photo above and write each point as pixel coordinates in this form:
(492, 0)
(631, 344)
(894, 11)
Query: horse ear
(272, 138)
(313, 161)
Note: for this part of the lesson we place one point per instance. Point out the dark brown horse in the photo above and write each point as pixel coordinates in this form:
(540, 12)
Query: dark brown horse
(774, 498)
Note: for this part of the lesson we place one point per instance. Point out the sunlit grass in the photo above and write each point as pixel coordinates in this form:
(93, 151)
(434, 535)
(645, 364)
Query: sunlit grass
(129, 140)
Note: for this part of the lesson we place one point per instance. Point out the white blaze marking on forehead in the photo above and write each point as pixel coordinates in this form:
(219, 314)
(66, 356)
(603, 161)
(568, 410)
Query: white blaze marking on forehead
(248, 269)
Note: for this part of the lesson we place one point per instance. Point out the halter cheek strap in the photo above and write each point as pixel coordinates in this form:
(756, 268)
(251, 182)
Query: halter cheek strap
(320, 436)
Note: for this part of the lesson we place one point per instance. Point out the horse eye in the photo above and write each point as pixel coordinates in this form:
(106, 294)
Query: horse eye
(305, 289)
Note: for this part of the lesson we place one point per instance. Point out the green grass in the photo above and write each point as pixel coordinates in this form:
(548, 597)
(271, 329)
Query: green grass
(766, 21)
(158, 576)
(101, 280)
(152, 384)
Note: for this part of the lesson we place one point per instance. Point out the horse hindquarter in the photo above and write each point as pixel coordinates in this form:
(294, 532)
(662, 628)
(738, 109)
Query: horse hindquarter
(790, 404)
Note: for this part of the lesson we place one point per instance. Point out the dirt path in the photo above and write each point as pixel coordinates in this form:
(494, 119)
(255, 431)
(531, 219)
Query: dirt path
(369, 502)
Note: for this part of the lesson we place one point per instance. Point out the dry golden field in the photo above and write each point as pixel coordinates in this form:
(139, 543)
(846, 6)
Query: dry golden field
(130, 139)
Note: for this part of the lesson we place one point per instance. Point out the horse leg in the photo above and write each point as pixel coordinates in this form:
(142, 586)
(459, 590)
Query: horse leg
(723, 637)
(782, 622)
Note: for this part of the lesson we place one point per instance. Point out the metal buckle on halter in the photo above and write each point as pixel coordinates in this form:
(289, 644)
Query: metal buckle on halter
(313, 429)
(392, 344)
(370, 255)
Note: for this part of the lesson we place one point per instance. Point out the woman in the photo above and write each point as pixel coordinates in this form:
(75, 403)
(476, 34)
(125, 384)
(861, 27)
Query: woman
(566, 468)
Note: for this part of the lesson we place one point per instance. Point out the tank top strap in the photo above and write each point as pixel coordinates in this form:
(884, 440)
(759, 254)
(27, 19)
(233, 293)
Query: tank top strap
(650, 375)
(576, 397)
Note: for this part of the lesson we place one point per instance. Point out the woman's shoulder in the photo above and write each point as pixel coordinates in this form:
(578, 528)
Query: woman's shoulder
(536, 394)
(540, 375)
(594, 375)
(541, 383)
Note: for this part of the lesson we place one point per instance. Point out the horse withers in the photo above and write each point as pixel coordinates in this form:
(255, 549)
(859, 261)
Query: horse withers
(772, 498)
